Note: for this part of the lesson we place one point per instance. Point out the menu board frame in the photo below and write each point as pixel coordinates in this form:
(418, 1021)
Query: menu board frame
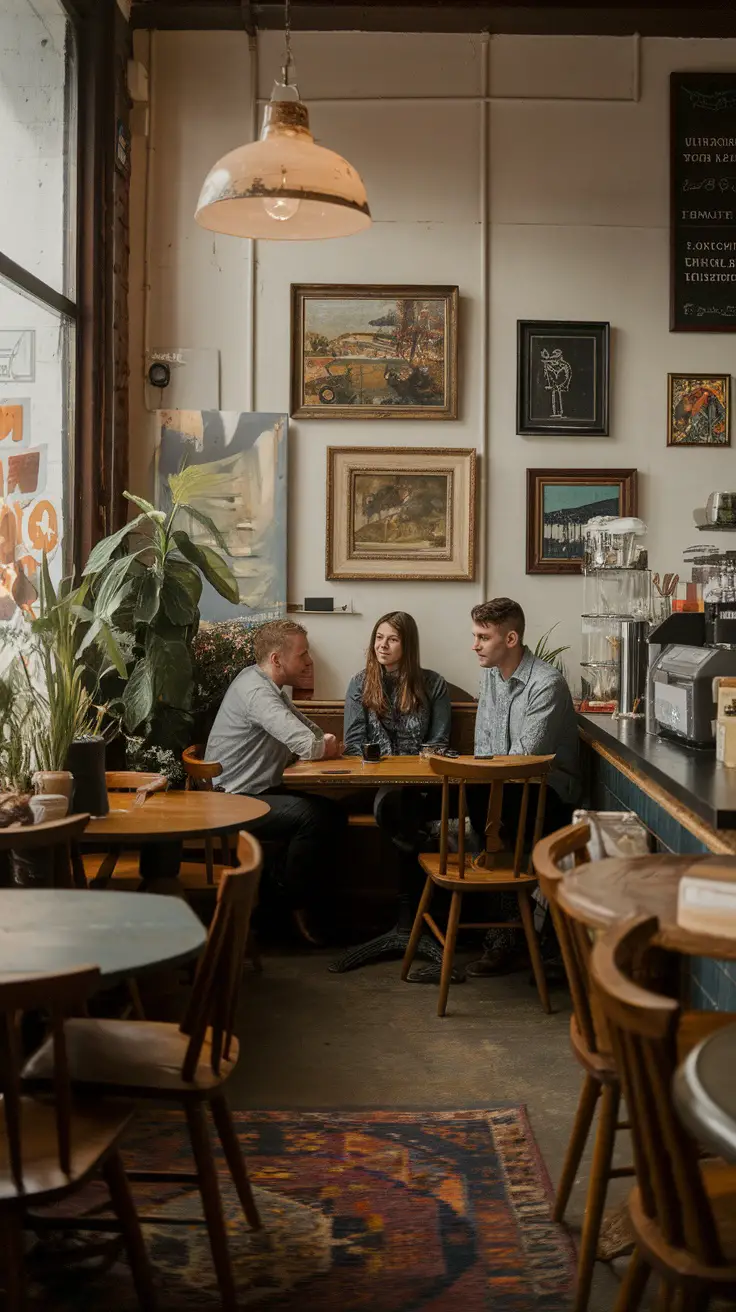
(703, 202)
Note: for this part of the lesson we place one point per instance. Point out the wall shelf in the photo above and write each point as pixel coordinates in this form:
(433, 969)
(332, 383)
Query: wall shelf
(299, 610)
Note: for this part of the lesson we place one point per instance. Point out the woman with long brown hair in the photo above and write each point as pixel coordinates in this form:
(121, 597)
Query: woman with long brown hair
(397, 706)
(393, 703)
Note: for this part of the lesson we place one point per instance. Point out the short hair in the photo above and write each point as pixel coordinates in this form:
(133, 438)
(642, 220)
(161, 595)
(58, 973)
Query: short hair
(502, 611)
(272, 636)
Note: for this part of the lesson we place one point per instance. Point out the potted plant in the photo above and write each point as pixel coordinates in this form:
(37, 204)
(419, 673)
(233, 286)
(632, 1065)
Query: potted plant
(142, 606)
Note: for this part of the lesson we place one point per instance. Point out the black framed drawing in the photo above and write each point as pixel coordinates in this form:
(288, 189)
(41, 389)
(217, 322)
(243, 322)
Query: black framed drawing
(562, 378)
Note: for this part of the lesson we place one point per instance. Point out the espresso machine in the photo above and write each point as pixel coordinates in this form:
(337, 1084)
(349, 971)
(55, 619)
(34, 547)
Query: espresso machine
(691, 648)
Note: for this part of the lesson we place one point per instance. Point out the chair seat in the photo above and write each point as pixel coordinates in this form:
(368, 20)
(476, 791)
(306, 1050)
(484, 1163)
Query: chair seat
(720, 1184)
(140, 1056)
(95, 1129)
(475, 879)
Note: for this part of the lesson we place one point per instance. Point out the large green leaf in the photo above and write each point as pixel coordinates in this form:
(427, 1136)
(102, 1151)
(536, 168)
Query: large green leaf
(146, 506)
(171, 670)
(188, 575)
(113, 588)
(176, 601)
(138, 696)
(92, 634)
(207, 523)
(148, 597)
(215, 569)
(105, 550)
(214, 478)
(112, 650)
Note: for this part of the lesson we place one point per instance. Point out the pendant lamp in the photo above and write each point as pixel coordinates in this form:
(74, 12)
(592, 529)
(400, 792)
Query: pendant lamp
(284, 187)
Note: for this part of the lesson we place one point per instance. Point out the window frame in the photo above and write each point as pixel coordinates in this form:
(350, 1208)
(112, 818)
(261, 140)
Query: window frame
(90, 309)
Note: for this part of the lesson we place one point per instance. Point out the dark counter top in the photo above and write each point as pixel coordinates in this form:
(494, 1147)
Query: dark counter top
(691, 775)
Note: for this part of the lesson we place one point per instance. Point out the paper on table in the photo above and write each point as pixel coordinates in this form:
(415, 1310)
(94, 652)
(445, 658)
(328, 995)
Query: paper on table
(708, 906)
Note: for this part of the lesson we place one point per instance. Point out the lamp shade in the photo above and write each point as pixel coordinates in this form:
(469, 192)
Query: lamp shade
(283, 187)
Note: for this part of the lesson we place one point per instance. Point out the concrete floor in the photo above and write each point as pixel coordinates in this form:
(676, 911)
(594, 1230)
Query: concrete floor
(312, 1039)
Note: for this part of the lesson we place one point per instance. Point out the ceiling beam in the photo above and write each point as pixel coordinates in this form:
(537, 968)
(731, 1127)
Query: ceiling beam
(679, 19)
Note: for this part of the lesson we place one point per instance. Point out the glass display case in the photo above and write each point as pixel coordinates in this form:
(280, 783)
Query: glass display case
(623, 593)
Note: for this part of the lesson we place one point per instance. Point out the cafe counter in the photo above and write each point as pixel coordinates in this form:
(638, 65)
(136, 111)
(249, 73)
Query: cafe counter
(686, 799)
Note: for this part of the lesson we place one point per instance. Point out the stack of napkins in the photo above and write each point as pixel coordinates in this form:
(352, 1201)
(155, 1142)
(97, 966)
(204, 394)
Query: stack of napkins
(707, 906)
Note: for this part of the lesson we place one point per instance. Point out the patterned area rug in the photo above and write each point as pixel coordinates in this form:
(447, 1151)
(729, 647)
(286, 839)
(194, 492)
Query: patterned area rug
(379, 1210)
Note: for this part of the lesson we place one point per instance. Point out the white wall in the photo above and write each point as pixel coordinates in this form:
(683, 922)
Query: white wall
(579, 209)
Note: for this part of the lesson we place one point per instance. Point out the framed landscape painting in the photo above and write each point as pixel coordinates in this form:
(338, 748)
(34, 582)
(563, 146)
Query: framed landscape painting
(698, 410)
(400, 513)
(373, 352)
(562, 378)
(559, 502)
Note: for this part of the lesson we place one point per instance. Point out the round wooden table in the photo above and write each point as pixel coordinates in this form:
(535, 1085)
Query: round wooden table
(172, 816)
(47, 930)
(705, 1092)
(605, 892)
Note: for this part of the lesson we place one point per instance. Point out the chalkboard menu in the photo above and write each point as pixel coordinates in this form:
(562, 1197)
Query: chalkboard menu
(703, 237)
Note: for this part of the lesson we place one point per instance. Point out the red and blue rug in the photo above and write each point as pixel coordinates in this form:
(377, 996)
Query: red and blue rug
(387, 1211)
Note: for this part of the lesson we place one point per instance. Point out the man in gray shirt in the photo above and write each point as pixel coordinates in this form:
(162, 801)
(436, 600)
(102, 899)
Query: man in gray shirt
(524, 709)
(258, 732)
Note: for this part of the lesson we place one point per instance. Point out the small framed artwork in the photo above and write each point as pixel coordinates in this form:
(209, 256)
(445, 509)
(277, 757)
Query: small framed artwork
(373, 352)
(698, 410)
(559, 502)
(562, 378)
(400, 513)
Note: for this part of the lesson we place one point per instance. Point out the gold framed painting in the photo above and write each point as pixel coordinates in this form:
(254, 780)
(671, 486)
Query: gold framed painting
(373, 351)
(401, 513)
(698, 410)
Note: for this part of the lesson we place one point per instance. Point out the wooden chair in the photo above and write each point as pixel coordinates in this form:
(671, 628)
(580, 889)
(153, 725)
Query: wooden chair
(683, 1209)
(188, 1064)
(50, 1148)
(592, 1049)
(490, 871)
(200, 777)
(58, 838)
(142, 783)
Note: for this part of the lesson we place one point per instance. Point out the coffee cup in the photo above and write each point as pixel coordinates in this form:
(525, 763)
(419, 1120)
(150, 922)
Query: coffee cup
(371, 752)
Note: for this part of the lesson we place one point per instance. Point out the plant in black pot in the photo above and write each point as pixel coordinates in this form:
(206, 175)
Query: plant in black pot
(142, 611)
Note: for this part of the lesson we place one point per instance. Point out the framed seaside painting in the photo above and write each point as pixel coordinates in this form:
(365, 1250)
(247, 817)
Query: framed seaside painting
(698, 410)
(559, 502)
(400, 513)
(373, 352)
(562, 378)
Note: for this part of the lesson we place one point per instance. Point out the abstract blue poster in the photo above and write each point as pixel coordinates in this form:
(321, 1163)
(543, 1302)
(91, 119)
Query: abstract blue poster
(244, 494)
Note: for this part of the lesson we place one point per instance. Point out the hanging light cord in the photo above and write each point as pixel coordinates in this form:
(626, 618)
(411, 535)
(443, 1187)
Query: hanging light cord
(289, 62)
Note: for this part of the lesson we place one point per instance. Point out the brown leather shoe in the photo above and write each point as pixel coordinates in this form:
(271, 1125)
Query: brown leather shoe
(497, 961)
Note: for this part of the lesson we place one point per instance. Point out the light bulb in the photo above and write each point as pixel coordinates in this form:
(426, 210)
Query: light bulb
(281, 207)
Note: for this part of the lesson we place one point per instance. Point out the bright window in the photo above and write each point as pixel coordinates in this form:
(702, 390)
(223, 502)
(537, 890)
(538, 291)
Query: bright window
(38, 132)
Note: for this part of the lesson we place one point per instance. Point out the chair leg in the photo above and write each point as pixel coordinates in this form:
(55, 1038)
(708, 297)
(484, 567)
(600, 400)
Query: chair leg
(597, 1186)
(235, 1160)
(448, 956)
(664, 1300)
(253, 953)
(209, 859)
(589, 1095)
(209, 1189)
(12, 1261)
(416, 929)
(124, 1207)
(532, 942)
(634, 1283)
